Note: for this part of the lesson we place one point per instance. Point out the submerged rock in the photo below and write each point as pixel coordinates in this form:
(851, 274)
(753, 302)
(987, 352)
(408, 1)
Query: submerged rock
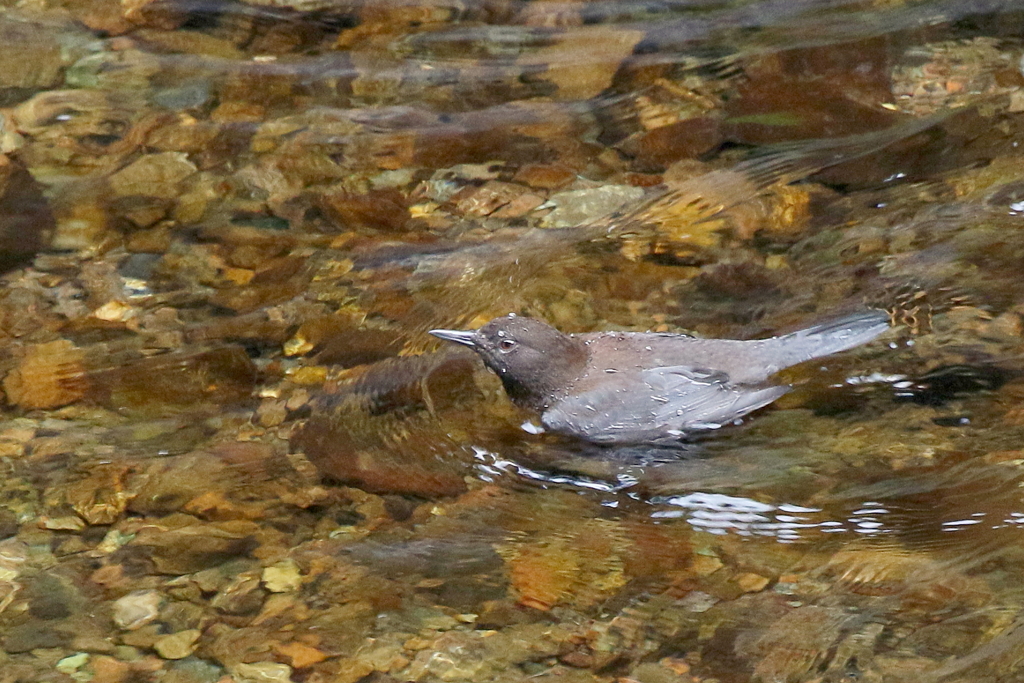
(26, 220)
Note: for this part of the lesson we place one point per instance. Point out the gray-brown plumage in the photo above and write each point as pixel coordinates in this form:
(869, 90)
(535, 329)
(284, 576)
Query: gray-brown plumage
(643, 387)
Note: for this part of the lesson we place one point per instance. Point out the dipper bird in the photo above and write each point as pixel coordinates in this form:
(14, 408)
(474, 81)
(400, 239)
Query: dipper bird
(647, 387)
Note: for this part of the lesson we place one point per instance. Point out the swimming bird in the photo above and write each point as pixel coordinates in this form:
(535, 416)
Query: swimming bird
(647, 387)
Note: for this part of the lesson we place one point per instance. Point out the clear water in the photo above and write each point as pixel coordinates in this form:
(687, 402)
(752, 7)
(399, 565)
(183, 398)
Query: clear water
(233, 453)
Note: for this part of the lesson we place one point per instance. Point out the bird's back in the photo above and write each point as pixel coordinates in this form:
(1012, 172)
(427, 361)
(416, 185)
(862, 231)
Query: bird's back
(652, 388)
(743, 362)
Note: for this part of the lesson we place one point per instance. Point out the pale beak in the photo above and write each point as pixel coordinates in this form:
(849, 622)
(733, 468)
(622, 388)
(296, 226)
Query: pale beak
(464, 337)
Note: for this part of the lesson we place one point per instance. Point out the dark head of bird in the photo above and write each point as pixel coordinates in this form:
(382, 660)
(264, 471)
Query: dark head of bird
(534, 360)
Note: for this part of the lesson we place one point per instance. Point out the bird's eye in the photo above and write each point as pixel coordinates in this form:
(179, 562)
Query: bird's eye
(507, 344)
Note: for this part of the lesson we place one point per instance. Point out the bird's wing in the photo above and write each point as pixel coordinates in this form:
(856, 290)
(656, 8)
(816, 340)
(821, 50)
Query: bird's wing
(664, 404)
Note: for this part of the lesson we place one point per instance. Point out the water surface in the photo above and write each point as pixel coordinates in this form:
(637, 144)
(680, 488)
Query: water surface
(233, 453)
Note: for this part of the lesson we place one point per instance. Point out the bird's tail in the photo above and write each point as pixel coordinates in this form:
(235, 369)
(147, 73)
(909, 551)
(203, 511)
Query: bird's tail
(831, 337)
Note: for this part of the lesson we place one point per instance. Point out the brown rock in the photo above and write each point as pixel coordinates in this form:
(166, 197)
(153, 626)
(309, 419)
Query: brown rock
(137, 609)
(442, 146)
(336, 345)
(153, 175)
(493, 197)
(271, 412)
(688, 139)
(48, 376)
(551, 14)
(102, 496)
(796, 642)
(651, 672)
(705, 565)
(188, 42)
(744, 281)
(918, 580)
(141, 211)
(606, 47)
(156, 240)
(751, 583)
(108, 670)
(26, 221)
(545, 176)
(144, 637)
(386, 210)
(198, 482)
(655, 549)
(177, 380)
(32, 635)
(80, 132)
(177, 645)
(231, 646)
(265, 672)
(32, 56)
(353, 670)
(778, 108)
(1004, 456)
(579, 567)
(24, 313)
(242, 596)
(519, 206)
(193, 548)
(543, 576)
(258, 295)
(299, 654)
(82, 219)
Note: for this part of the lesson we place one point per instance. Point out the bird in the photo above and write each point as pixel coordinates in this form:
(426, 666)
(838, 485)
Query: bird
(647, 387)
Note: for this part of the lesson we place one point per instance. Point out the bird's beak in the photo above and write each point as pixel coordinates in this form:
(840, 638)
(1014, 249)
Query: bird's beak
(464, 337)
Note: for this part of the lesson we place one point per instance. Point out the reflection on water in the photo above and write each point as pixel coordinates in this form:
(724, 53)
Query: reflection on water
(232, 453)
(717, 513)
(720, 513)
